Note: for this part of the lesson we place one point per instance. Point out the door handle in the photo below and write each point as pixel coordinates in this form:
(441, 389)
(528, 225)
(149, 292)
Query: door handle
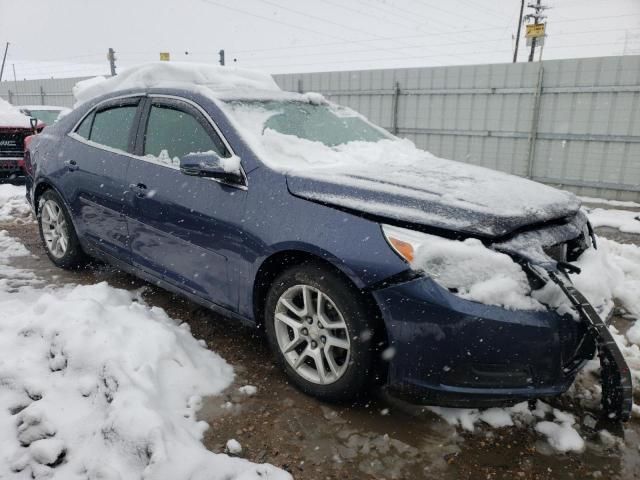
(140, 189)
(71, 165)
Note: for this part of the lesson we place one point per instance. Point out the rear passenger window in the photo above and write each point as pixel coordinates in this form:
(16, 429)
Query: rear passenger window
(172, 133)
(112, 127)
(85, 127)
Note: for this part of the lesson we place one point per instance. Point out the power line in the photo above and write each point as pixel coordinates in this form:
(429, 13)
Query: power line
(315, 17)
(483, 8)
(590, 32)
(273, 20)
(27, 66)
(281, 22)
(366, 14)
(457, 15)
(462, 54)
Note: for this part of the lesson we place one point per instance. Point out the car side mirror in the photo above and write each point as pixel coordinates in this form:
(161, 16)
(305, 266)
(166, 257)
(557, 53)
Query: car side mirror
(34, 125)
(208, 164)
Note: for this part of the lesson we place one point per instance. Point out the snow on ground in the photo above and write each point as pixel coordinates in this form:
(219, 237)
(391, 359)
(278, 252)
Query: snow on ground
(13, 206)
(624, 220)
(613, 203)
(96, 384)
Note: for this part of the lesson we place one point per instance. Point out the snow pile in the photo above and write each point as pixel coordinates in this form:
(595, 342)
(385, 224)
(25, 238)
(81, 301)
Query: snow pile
(95, 384)
(234, 447)
(610, 273)
(13, 205)
(12, 278)
(560, 433)
(248, 390)
(624, 220)
(10, 116)
(554, 424)
(230, 164)
(476, 272)
(175, 75)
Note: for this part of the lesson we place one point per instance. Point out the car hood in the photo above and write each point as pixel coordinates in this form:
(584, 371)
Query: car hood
(436, 193)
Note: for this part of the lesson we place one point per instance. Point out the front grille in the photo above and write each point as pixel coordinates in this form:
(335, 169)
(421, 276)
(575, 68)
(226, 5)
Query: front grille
(12, 144)
(557, 252)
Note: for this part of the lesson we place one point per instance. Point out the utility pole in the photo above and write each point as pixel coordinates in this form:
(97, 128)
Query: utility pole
(111, 56)
(4, 59)
(221, 53)
(515, 53)
(536, 21)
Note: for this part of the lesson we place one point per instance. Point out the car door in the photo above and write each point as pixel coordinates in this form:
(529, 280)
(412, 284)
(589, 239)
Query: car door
(96, 180)
(184, 229)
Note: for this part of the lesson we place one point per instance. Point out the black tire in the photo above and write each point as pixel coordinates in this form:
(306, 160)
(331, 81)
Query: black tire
(351, 303)
(73, 256)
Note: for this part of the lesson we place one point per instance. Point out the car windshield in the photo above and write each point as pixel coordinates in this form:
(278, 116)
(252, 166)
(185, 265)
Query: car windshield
(329, 124)
(46, 116)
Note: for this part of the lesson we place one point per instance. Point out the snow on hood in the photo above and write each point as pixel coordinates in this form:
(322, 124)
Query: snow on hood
(176, 75)
(10, 116)
(395, 179)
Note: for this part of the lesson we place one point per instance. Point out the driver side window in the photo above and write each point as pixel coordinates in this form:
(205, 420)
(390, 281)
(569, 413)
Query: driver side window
(173, 133)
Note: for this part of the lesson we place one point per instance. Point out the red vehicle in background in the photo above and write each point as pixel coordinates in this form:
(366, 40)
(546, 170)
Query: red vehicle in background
(14, 128)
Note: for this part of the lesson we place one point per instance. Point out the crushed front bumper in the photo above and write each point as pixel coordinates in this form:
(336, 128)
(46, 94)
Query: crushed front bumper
(454, 352)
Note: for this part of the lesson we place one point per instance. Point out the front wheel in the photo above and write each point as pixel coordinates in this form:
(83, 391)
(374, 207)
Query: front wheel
(57, 233)
(320, 330)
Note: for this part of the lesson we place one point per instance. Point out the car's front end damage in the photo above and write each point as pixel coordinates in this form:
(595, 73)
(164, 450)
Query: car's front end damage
(483, 312)
(521, 331)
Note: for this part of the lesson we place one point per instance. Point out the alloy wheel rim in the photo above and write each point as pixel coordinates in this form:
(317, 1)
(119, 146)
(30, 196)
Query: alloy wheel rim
(54, 229)
(312, 334)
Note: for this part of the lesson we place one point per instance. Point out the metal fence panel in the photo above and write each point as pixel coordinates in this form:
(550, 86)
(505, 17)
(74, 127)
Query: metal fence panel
(54, 91)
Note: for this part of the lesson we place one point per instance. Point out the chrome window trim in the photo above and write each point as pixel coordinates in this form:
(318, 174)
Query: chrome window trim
(242, 186)
(92, 109)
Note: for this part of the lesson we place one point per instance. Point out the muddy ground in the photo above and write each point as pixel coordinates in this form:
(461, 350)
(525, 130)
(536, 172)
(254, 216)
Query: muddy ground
(378, 439)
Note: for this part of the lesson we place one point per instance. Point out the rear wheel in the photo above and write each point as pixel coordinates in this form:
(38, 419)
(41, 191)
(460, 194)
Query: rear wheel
(320, 330)
(57, 233)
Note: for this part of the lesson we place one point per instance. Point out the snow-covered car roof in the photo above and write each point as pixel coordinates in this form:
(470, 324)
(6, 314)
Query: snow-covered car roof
(214, 80)
(11, 117)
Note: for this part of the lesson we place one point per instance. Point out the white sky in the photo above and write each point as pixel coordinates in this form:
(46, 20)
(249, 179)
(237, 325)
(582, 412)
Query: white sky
(63, 38)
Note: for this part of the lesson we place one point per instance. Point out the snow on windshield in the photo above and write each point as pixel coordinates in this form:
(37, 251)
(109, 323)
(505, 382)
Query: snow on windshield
(317, 121)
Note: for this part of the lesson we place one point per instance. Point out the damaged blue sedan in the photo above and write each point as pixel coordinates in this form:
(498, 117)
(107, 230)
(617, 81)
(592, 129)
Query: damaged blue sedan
(366, 260)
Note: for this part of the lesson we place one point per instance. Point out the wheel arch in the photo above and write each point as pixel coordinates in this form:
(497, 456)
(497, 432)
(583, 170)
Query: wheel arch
(279, 261)
(41, 187)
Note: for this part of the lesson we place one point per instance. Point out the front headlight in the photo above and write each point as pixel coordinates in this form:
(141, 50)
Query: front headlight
(404, 242)
(465, 267)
